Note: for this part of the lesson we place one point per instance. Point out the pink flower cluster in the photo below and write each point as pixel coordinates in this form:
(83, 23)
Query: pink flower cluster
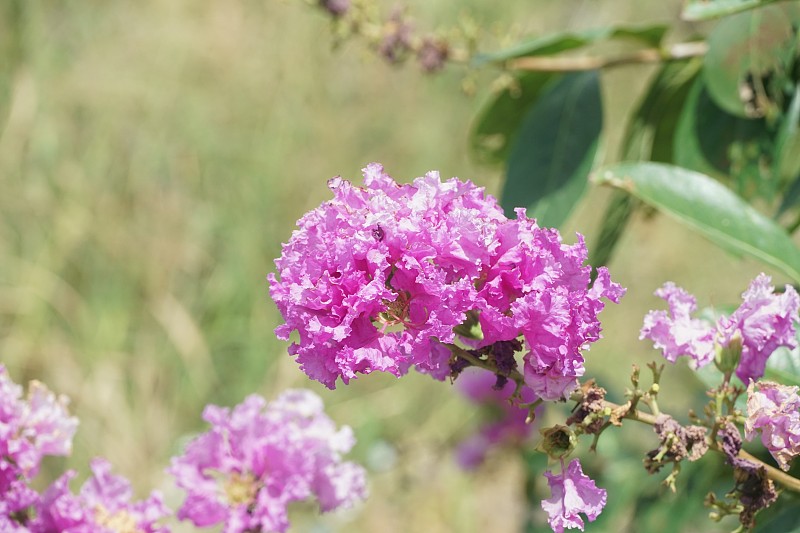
(103, 506)
(379, 277)
(259, 457)
(572, 494)
(774, 411)
(243, 472)
(30, 428)
(764, 321)
(506, 424)
(40, 425)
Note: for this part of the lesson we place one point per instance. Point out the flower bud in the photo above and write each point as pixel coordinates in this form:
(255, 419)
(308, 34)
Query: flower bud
(727, 357)
(557, 441)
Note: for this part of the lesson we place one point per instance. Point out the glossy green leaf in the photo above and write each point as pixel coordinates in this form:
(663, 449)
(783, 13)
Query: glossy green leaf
(497, 124)
(707, 206)
(742, 50)
(650, 36)
(707, 9)
(555, 149)
(733, 149)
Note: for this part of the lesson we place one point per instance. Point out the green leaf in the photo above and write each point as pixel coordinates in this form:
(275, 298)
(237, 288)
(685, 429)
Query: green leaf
(744, 49)
(787, 144)
(706, 206)
(650, 36)
(791, 198)
(783, 365)
(709, 375)
(707, 9)
(555, 150)
(651, 131)
(783, 515)
(497, 124)
(710, 140)
(649, 136)
(620, 207)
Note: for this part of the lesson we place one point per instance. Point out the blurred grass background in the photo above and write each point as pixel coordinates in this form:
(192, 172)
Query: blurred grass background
(153, 157)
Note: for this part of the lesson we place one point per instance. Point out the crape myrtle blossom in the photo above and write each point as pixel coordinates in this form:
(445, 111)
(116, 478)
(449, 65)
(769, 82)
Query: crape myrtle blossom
(774, 411)
(379, 277)
(103, 505)
(506, 418)
(572, 494)
(259, 457)
(763, 322)
(31, 427)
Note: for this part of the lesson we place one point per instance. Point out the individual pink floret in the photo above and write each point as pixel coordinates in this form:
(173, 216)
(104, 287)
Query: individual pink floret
(259, 457)
(676, 333)
(774, 411)
(766, 320)
(572, 494)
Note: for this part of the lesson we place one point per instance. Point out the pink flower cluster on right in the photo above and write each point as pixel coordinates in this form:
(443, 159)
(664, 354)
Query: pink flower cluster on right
(774, 411)
(764, 321)
(380, 277)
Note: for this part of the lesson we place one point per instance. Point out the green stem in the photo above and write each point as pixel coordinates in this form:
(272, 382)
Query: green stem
(674, 52)
(482, 363)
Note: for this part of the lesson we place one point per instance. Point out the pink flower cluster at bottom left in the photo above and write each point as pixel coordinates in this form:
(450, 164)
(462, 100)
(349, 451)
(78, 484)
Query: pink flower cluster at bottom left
(255, 460)
(259, 457)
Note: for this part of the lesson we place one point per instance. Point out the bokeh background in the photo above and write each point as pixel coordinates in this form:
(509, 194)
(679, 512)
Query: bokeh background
(155, 154)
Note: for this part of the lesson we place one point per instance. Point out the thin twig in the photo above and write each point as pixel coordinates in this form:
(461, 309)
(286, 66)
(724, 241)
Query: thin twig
(773, 473)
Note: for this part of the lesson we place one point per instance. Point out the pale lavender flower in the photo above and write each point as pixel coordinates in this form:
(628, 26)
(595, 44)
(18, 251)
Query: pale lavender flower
(259, 457)
(676, 333)
(572, 494)
(774, 410)
(103, 505)
(764, 321)
(379, 277)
